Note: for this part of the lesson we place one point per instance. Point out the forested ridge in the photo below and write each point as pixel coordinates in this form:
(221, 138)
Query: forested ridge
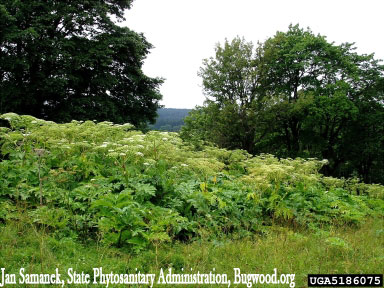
(170, 119)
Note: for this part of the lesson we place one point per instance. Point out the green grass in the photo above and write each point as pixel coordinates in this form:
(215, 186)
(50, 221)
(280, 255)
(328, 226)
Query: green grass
(339, 250)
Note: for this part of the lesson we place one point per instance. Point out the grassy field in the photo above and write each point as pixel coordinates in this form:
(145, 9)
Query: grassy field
(342, 250)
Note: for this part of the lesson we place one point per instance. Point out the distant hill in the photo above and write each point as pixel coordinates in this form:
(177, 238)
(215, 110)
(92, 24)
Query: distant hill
(170, 119)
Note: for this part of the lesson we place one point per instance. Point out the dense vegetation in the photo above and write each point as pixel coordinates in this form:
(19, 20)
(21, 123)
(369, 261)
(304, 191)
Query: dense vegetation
(88, 194)
(64, 60)
(170, 119)
(109, 182)
(295, 95)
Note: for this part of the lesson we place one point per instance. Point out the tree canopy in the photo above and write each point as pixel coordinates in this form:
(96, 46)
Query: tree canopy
(295, 95)
(64, 60)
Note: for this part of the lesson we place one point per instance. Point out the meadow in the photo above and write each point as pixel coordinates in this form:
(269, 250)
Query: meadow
(98, 194)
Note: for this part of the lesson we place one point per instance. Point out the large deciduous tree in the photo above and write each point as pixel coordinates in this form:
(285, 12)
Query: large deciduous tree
(321, 91)
(65, 60)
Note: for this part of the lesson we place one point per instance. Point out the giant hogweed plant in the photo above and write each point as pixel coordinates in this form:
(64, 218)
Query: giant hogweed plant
(107, 181)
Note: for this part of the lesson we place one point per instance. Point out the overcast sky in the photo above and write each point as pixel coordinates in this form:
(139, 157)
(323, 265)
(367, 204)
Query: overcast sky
(184, 32)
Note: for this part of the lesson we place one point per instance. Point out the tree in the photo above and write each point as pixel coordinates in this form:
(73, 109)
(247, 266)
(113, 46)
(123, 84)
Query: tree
(231, 84)
(297, 95)
(64, 60)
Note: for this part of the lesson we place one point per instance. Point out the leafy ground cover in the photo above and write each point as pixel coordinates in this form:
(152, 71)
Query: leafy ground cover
(82, 186)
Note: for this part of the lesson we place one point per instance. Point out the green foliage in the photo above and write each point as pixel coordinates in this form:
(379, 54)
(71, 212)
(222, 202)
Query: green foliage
(63, 61)
(55, 218)
(231, 84)
(106, 182)
(295, 95)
